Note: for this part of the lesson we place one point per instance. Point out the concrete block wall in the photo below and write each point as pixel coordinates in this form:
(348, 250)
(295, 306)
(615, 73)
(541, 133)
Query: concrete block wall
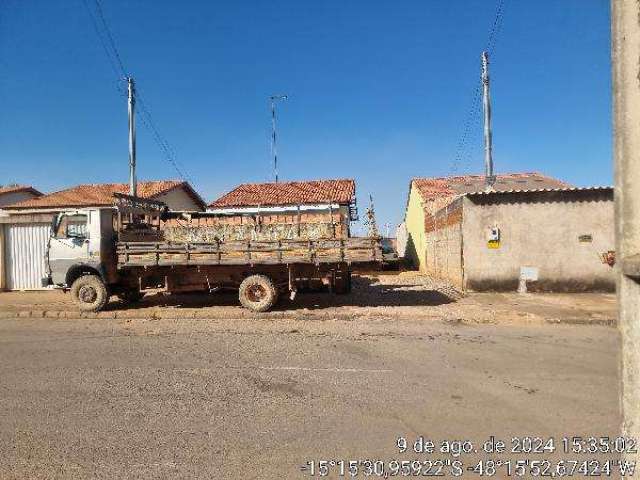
(443, 245)
(561, 234)
(307, 225)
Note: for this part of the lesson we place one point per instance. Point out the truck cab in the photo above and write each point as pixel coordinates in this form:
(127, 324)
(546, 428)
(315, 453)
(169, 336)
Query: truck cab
(82, 244)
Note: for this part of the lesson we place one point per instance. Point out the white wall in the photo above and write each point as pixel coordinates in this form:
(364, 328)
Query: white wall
(178, 199)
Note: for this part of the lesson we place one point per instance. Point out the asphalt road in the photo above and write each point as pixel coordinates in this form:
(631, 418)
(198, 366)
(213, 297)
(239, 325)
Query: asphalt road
(248, 399)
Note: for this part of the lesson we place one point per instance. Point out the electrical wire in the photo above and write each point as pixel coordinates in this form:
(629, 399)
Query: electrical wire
(162, 143)
(462, 148)
(495, 28)
(110, 48)
(110, 38)
(103, 41)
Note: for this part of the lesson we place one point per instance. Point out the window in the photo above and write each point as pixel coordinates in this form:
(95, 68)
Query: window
(72, 226)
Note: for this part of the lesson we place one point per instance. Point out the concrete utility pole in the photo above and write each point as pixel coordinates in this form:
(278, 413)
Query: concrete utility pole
(486, 104)
(625, 61)
(131, 100)
(274, 151)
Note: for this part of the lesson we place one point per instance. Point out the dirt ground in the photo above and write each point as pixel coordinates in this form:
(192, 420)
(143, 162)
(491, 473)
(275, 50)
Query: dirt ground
(388, 294)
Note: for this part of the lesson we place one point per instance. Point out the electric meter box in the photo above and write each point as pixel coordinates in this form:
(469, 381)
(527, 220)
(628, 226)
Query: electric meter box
(493, 238)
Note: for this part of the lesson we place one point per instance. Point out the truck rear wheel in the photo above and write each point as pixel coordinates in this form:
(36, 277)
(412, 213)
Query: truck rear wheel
(258, 293)
(89, 293)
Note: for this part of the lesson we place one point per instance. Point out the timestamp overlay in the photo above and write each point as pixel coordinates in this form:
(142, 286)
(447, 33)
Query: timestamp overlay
(499, 457)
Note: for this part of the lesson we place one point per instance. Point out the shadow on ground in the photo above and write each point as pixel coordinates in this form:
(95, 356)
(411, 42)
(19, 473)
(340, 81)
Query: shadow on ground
(366, 292)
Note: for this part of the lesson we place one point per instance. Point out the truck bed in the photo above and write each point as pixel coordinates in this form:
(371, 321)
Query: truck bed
(348, 250)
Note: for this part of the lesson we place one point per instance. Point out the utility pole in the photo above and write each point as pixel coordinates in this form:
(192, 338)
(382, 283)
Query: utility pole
(274, 151)
(131, 100)
(486, 104)
(625, 51)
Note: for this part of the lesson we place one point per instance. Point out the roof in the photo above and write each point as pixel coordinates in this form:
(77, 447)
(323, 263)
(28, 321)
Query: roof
(19, 188)
(288, 193)
(431, 188)
(548, 194)
(101, 194)
(598, 188)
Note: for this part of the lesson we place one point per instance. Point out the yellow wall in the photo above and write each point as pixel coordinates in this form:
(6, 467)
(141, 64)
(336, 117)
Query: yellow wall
(414, 220)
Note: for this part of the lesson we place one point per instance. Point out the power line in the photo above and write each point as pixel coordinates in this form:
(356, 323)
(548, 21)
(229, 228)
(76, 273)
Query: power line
(462, 148)
(170, 154)
(110, 38)
(103, 41)
(110, 48)
(495, 28)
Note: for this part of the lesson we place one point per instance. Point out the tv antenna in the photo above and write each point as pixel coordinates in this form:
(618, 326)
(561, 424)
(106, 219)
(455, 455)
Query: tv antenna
(274, 149)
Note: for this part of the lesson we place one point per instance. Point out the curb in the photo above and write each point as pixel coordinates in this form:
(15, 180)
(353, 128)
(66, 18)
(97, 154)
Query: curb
(299, 315)
(188, 315)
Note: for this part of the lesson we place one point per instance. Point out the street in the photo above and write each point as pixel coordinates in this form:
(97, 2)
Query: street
(258, 398)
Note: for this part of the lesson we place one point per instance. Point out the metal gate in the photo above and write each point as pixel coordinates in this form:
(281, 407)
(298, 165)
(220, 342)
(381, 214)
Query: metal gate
(25, 248)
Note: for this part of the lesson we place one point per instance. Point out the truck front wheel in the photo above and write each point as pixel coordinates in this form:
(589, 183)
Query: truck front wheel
(258, 293)
(89, 293)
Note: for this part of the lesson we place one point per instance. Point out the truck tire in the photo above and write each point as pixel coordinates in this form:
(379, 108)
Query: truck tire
(258, 293)
(89, 293)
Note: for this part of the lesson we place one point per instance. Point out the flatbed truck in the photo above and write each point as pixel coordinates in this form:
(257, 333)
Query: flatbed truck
(98, 252)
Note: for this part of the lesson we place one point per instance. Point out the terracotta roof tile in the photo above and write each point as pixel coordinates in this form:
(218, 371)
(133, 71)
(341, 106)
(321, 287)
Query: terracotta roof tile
(432, 188)
(96, 194)
(19, 188)
(288, 193)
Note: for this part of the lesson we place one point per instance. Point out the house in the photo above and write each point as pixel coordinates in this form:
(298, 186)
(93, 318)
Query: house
(10, 194)
(274, 211)
(529, 225)
(178, 195)
(25, 226)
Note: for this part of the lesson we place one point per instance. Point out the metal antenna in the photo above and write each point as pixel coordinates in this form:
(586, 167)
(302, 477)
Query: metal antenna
(131, 100)
(488, 142)
(274, 150)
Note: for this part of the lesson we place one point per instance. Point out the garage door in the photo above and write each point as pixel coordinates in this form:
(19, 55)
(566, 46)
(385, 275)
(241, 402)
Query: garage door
(25, 248)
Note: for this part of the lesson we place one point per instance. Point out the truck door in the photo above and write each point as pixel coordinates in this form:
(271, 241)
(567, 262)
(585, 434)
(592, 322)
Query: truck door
(69, 244)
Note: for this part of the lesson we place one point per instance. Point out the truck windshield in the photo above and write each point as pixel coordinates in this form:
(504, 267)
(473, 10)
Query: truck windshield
(72, 226)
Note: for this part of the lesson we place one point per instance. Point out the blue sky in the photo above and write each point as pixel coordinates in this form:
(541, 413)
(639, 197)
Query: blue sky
(378, 91)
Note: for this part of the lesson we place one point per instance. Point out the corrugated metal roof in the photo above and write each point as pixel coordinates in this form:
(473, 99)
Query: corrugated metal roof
(538, 190)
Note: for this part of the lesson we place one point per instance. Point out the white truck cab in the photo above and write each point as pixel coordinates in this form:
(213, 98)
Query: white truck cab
(81, 243)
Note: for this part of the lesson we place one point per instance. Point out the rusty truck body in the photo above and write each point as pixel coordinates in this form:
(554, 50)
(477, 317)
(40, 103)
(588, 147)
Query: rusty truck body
(98, 252)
